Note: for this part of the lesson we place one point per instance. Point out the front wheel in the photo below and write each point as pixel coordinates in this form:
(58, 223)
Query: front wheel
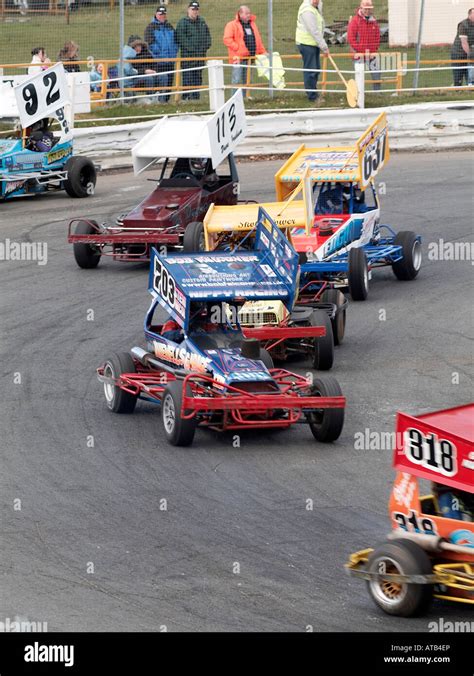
(323, 352)
(399, 557)
(266, 358)
(193, 238)
(358, 274)
(326, 424)
(178, 431)
(117, 399)
(87, 256)
(81, 177)
(409, 266)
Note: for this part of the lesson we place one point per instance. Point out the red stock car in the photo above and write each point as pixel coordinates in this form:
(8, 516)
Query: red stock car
(185, 190)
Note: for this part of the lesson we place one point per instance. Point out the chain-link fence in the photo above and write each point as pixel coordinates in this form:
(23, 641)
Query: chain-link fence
(132, 51)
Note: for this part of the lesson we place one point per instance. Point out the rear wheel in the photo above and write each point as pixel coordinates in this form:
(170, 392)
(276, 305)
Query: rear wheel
(339, 322)
(87, 255)
(400, 557)
(193, 238)
(358, 274)
(323, 353)
(117, 399)
(81, 177)
(409, 266)
(326, 424)
(178, 431)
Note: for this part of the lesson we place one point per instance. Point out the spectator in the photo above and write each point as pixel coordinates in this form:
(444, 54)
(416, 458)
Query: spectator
(70, 52)
(462, 50)
(194, 39)
(310, 42)
(39, 62)
(161, 39)
(149, 78)
(128, 55)
(243, 41)
(363, 36)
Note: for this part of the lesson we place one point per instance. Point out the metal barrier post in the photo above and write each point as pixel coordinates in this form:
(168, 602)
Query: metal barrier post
(215, 70)
(122, 40)
(360, 82)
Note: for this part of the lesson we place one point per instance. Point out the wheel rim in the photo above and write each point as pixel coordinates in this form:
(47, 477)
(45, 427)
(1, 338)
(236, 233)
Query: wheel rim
(169, 414)
(416, 255)
(109, 389)
(365, 278)
(387, 592)
(316, 418)
(201, 241)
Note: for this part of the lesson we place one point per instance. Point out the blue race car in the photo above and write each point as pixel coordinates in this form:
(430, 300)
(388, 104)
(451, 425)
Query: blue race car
(200, 367)
(41, 161)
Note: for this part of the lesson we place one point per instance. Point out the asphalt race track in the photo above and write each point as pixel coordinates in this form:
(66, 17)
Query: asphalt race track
(103, 505)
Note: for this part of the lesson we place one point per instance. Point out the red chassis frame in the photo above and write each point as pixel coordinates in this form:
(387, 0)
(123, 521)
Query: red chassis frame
(145, 236)
(237, 405)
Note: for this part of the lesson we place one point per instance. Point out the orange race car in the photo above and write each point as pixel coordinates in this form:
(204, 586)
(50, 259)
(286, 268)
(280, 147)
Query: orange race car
(430, 552)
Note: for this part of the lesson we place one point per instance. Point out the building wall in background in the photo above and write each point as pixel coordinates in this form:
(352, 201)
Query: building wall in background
(439, 25)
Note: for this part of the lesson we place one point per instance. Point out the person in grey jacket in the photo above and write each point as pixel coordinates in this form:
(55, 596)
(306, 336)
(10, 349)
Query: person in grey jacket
(310, 42)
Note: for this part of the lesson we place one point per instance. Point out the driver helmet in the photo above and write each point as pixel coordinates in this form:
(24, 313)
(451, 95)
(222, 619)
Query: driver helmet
(198, 166)
(44, 144)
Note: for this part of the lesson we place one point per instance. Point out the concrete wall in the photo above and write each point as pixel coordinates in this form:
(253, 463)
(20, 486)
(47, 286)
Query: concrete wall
(439, 25)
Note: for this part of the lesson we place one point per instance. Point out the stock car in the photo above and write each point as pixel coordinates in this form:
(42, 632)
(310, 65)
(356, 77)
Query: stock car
(201, 369)
(40, 161)
(430, 551)
(341, 239)
(335, 227)
(196, 172)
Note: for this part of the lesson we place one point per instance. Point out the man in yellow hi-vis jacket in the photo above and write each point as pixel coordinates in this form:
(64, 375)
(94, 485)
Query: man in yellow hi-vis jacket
(310, 42)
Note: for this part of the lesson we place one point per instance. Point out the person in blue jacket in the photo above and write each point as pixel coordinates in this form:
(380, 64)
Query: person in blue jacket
(161, 39)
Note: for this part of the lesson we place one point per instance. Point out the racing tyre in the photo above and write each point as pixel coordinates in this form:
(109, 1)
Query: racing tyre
(117, 399)
(358, 274)
(193, 239)
(265, 356)
(339, 322)
(81, 177)
(326, 424)
(409, 266)
(401, 557)
(178, 431)
(87, 256)
(323, 353)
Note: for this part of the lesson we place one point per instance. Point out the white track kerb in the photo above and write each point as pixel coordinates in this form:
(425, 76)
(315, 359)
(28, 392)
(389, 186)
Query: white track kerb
(425, 126)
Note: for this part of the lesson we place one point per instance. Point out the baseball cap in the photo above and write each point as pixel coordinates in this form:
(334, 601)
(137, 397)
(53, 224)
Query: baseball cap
(194, 5)
(161, 10)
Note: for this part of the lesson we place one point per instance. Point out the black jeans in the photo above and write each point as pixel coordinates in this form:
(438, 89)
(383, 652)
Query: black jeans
(192, 78)
(459, 71)
(311, 61)
(165, 80)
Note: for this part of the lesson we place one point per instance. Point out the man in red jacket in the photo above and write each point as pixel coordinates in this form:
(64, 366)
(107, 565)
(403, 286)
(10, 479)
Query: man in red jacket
(363, 35)
(243, 42)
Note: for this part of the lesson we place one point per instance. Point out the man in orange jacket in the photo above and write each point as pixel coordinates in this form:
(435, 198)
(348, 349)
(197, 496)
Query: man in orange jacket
(243, 41)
